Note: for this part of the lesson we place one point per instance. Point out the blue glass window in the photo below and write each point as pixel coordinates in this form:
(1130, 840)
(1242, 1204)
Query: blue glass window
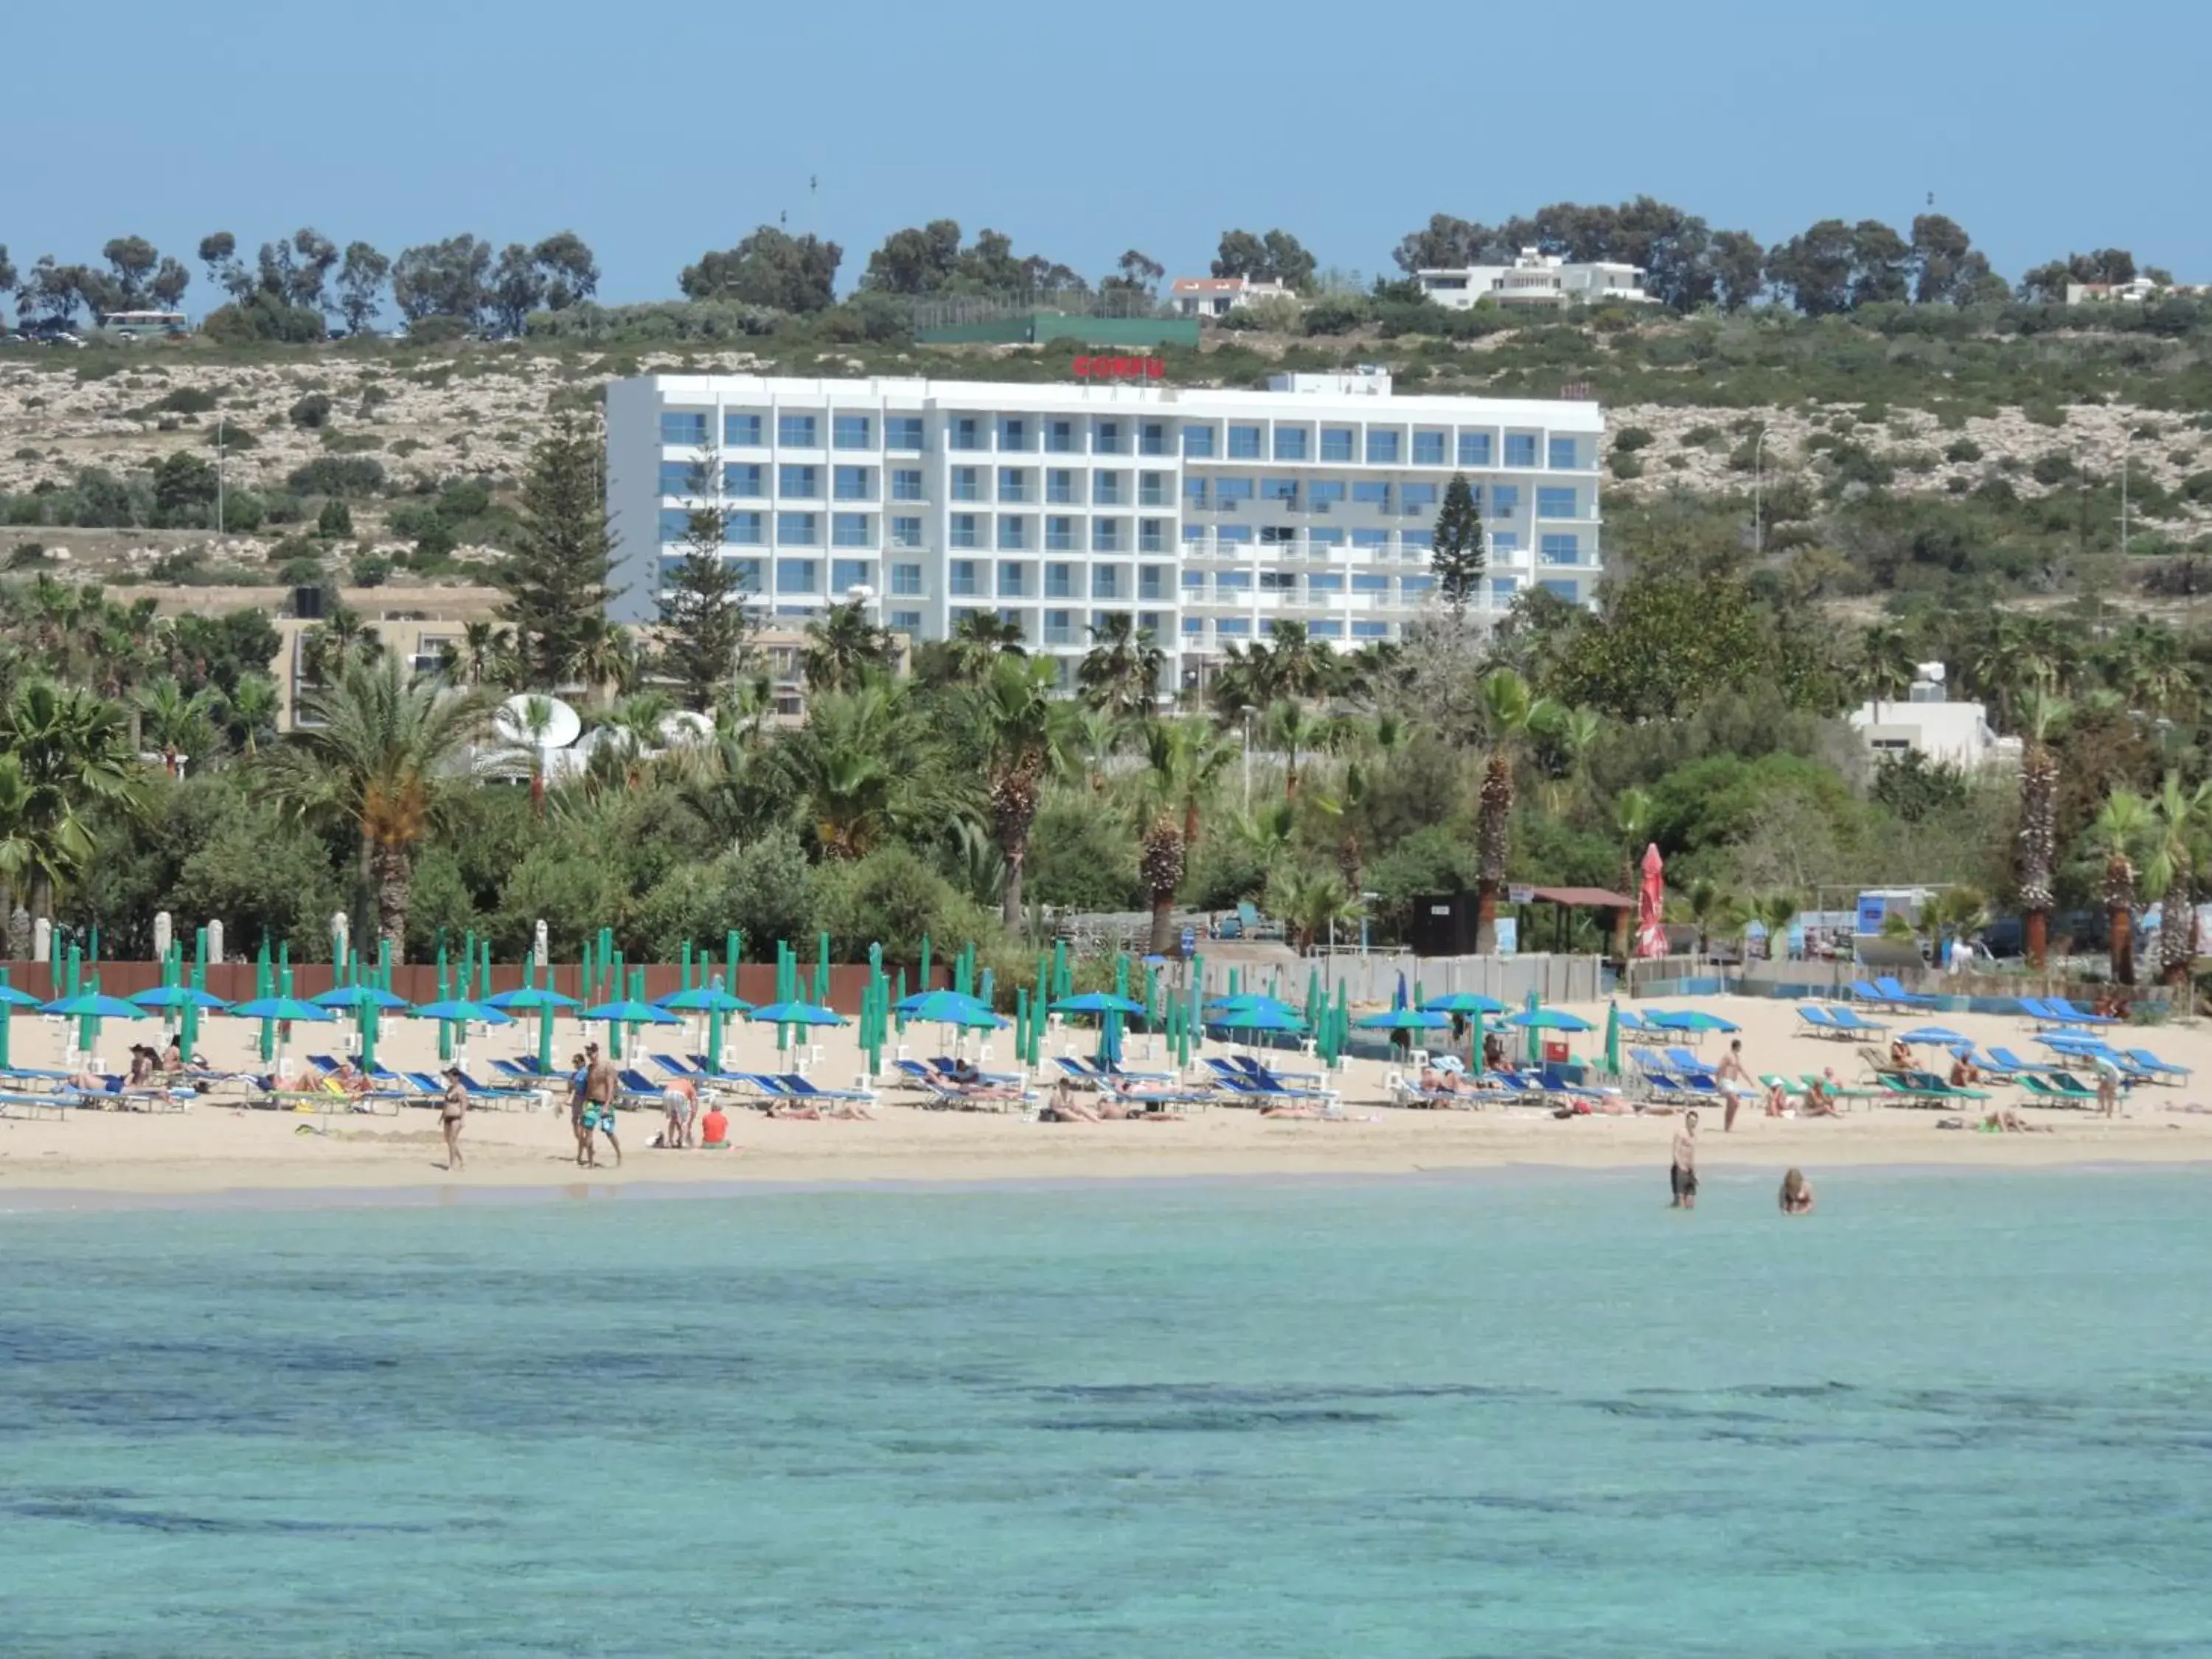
(744, 529)
(1060, 437)
(1243, 443)
(906, 483)
(797, 432)
(960, 579)
(1290, 443)
(799, 576)
(846, 574)
(851, 529)
(676, 477)
(1503, 542)
(1152, 438)
(1236, 627)
(1193, 627)
(1198, 442)
(1505, 501)
(967, 433)
(1369, 538)
(1338, 443)
(1013, 433)
(1474, 449)
(906, 532)
(1151, 581)
(1551, 503)
(796, 530)
(1416, 498)
(1106, 439)
(684, 426)
(1013, 485)
(1278, 489)
(851, 431)
(1226, 490)
(1364, 581)
(1520, 449)
(1152, 536)
(1326, 536)
(856, 483)
(1370, 631)
(1059, 581)
(967, 483)
(963, 530)
(1383, 448)
(795, 482)
(905, 621)
(1565, 454)
(1325, 493)
(905, 578)
(1428, 449)
(675, 524)
(903, 433)
(1012, 578)
(1328, 628)
(1105, 535)
(1226, 580)
(1194, 490)
(1194, 581)
(1060, 534)
(1560, 550)
(745, 480)
(1417, 538)
(1059, 627)
(1325, 581)
(1059, 484)
(1558, 588)
(748, 573)
(1236, 535)
(1013, 531)
(1505, 587)
(741, 432)
(1106, 489)
(1105, 582)
(1372, 495)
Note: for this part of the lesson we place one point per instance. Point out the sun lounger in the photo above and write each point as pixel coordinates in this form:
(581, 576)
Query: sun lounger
(945, 1063)
(37, 1073)
(1890, 987)
(2163, 1069)
(1074, 1069)
(1405, 1091)
(1245, 1089)
(1819, 1021)
(2068, 1012)
(2059, 1087)
(35, 1106)
(800, 1088)
(675, 1066)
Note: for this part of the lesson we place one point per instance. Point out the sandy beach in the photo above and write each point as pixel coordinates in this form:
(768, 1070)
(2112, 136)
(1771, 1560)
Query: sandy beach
(220, 1145)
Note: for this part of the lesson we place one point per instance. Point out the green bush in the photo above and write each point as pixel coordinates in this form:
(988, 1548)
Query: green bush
(1633, 438)
(312, 412)
(335, 519)
(2053, 466)
(337, 475)
(1962, 450)
(186, 400)
(371, 570)
(1624, 464)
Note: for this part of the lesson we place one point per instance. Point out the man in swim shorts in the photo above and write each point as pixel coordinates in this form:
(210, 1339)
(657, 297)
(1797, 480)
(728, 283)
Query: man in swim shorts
(1682, 1172)
(680, 1100)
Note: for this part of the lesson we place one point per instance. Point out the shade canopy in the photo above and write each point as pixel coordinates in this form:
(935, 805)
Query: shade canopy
(289, 1008)
(1260, 1019)
(1689, 1020)
(630, 1012)
(1098, 1002)
(360, 996)
(95, 1004)
(168, 996)
(1941, 1036)
(461, 1008)
(945, 1008)
(704, 999)
(1550, 1020)
(1465, 1002)
(795, 1013)
(16, 998)
(1404, 1019)
(531, 999)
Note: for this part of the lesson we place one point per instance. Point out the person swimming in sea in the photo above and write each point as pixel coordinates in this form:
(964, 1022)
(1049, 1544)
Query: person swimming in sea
(1682, 1172)
(1796, 1194)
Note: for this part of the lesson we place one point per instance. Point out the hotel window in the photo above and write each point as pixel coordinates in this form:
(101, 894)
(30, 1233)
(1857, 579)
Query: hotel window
(1233, 535)
(1193, 581)
(1060, 534)
(1505, 501)
(1152, 438)
(1105, 535)
(1371, 537)
(1013, 485)
(1233, 627)
(846, 574)
(796, 530)
(676, 477)
(799, 576)
(1193, 537)
(1555, 504)
(1013, 532)
(1148, 622)
(1198, 442)
(1559, 549)
(684, 426)
(675, 524)
(1328, 627)
(748, 573)
(1383, 448)
(1370, 631)
(1152, 536)
(797, 432)
(744, 529)
(906, 622)
(1228, 491)
(1520, 449)
(906, 580)
(1325, 581)
(1416, 499)
(1290, 443)
(1058, 485)
(1243, 443)
(903, 433)
(1106, 489)
(855, 483)
(1151, 581)
(1474, 449)
(906, 483)
(745, 480)
(967, 433)
(1416, 540)
(1059, 581)
(1105, 582)
(1229, 580)
(906, 532)
(1364, 581)
(1428, 449)
(850, 431)
(963, 530)
(1013, 433)
(1328, 536)
(1152, 490)
(1505, 544)
(1559, 589)
(1565, 455)
(1371, 494)
(1011, 580)
(1278, 535)
(795, 482)
(851, 529)
(1194, 490)
(1337, 443)
(1279, 489)
(1194, 628)
(1502, 589)
(1060, 437)
(961, 579)
(1323, 494)
(1059, 627)
(967, 483)
(741, 432)
(1106, 439)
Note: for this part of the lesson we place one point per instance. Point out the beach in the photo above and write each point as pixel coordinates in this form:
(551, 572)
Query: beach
(221, 1145)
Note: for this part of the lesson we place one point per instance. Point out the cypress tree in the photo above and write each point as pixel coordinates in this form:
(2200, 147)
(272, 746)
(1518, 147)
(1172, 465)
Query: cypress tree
(704, 621)
(1456, 555)
(557, 576)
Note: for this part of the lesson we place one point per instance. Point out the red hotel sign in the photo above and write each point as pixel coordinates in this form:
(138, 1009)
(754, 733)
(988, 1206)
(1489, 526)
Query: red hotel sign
(1119, 369)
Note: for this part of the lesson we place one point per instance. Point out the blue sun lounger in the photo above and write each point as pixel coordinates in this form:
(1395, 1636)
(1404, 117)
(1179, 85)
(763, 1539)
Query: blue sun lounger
(2079, 1016)
(2164, 1070)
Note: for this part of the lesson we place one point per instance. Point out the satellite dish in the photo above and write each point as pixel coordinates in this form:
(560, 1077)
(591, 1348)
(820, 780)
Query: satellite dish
(684, 728)
(537, 721)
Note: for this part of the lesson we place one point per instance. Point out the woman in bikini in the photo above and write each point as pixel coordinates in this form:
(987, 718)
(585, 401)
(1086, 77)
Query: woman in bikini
(453, 1109)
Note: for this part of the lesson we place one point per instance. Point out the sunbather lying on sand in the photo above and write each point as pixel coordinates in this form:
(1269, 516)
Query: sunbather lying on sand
(1434, 1082)
(806, 1112)
(2010, 1122)
(1327, 1113)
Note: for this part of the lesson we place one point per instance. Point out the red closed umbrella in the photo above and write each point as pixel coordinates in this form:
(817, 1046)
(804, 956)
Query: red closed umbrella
(1650, 936)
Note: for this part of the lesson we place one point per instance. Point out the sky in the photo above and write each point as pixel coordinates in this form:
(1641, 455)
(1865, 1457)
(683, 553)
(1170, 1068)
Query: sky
(1082, 131)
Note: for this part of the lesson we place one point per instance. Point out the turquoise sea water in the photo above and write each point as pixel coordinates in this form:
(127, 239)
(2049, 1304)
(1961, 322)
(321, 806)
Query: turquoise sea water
(1954, 1415)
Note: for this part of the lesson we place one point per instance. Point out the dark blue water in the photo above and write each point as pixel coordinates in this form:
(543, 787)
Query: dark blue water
(1947, 1415)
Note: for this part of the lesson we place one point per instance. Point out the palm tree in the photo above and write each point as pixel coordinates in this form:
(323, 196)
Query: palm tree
(1013, 712)
(854, 766)
(249, 713)
(606, 660)
(1953, 912)
(1775, 912)
(1121, 672)
(1885, 665)
(2171, 873)
(72, 749)
(1632, 825)
(1293, 728)
(2123, 828)
(1184, 758)
(978, 640)
(1511, 713)
(1097, 735)
(1309, 901)
(635, 724)
(486, 651)
(1712, 908)
(843, 650)
(1577, 731)
(2038, 823)
(376, 759)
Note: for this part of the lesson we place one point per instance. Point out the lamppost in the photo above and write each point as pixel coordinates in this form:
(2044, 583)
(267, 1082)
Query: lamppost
(218, 472)
(1248, 711)
(1758, 516)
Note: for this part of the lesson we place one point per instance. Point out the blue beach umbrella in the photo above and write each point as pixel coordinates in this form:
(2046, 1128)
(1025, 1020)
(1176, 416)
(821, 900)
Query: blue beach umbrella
(169, 997)
(531, 999)
(1941, 1036)
(1550, 1020)
(948, 1008)
(461, 1008)
(705, 999)
(287, 1008)
(1404, 1019)
(1098, 1002)
(16, 998)
(95, 1004)
(795, 1013)
(1690, 1019)
(631, 1012)
(1260, 1019)
(1224, 1011)
(1466, 1002)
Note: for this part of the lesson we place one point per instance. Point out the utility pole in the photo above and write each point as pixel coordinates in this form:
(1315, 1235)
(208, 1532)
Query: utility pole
(218, 472)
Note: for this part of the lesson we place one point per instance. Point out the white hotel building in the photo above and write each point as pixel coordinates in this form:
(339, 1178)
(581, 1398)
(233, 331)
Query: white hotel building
(1207, 513)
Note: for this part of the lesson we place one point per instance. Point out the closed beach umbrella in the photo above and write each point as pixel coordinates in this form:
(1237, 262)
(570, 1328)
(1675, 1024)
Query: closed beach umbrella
(1651, 901)
(1613, 1038)
(1475, 1044)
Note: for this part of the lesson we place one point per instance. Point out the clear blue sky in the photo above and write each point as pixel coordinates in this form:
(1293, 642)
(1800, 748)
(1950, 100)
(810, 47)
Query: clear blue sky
(658, 131)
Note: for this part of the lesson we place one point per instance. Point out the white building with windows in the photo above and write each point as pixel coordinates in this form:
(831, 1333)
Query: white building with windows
(1205, 514)
(1216, 296)
(1534, 279)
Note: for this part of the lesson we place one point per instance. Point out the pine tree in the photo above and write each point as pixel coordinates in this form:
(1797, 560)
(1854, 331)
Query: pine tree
(704, 623)
(556, 578)
(1457, 556)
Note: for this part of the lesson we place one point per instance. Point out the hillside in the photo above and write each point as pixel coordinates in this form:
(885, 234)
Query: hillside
(1891, 466)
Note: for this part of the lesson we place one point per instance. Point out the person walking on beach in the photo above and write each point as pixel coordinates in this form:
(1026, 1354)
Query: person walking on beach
(1796, 1194)
(453, 1109)
(2108, 1086)
(579, 1075)
(1735, 1080)
(1682, 1173)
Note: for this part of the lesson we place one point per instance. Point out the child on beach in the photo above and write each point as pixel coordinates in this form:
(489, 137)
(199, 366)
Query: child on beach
(1682, 1172)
